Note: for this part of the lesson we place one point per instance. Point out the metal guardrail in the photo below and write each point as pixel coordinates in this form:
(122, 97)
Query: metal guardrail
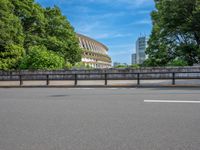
(138, 76)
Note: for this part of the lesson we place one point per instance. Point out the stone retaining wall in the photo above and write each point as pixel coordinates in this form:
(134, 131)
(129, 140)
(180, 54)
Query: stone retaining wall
(99, 74)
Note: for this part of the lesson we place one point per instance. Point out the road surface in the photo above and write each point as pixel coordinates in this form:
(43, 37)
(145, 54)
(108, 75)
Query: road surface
(100, 119)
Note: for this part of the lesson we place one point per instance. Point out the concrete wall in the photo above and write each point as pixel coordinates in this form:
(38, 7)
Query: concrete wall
(13, 75)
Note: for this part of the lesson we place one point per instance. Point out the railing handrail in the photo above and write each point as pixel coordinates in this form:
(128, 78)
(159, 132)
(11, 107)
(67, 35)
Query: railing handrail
(75, 76)
(100, 73)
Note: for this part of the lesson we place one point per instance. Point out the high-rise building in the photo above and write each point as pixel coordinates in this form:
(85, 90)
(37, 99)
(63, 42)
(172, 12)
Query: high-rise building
(134, 59)
(141, 45)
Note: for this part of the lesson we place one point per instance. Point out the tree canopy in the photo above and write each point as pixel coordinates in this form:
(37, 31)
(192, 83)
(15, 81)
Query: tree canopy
(40, 58)
(175, 34)
(60, 36)
(11, 36)
(25, 24)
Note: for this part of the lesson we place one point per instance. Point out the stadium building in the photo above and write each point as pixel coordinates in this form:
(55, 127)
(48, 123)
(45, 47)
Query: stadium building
(95, 54)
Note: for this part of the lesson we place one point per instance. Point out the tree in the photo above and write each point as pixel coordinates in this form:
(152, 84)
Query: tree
(24, 24)
(61, 37)
(11, 37)
(176, 32)
(33, 21)
(121, 66)
(39, 57)
(48, 27)
(134, 66)
(177, 62)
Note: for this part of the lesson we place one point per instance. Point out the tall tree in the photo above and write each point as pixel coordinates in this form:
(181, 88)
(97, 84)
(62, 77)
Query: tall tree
(33, 21)
(25, 24)
(11, 37)
(48, 27)
(60, 36)
(176, 32)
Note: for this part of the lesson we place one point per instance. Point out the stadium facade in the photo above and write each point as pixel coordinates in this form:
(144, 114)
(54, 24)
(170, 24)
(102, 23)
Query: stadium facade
(95, 54)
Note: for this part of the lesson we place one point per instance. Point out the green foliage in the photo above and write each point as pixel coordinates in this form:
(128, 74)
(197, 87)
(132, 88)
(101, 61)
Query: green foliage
(11, 37)
(81, 65)
(121, 66)
(39, 57)
(10, 56)
(176, 32)
(61, 37)
(32, 19)
(177, 62)
(24, 24)
(68, 66)
(134, 66)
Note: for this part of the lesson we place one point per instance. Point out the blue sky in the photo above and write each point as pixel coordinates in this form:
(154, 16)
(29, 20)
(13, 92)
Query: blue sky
(115, 23)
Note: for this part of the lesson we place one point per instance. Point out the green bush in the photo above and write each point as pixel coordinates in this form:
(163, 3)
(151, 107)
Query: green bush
(121, 66)
(81, 65)
(177, 62)
(134, 66)
(68, 65)
(39, 57)
(11, 56)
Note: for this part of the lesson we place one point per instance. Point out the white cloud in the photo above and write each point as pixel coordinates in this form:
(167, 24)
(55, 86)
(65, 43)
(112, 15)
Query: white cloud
(143, 12)
(119, 35)
(86, 27)
(136, 2)
(122, 52)
(100, 36)
(103, 34)
(142, 22)
(128, 3)
(125, 3)
(120, 46)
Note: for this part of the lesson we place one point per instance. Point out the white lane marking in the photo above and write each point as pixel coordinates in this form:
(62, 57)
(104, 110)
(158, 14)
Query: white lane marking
(99, 88)
(171, 101)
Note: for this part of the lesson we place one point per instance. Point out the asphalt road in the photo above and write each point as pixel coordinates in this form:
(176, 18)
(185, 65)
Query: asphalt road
(99, 119)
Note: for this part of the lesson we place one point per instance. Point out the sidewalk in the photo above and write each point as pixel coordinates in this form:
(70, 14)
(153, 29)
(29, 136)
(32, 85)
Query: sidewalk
(100, 83)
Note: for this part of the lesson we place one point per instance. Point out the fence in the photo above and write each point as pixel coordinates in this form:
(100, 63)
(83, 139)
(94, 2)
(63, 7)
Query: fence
(106, 76)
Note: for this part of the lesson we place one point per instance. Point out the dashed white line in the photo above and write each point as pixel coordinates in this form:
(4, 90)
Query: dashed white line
(171, 101)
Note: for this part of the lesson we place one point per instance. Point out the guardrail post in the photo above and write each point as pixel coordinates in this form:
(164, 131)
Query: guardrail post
(20, 80)
(173, 78)
(138, 78)
(75, 80)
(106, 80)
(47, 80)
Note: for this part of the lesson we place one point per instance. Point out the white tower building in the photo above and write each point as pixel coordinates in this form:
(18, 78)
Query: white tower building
(141, 45)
